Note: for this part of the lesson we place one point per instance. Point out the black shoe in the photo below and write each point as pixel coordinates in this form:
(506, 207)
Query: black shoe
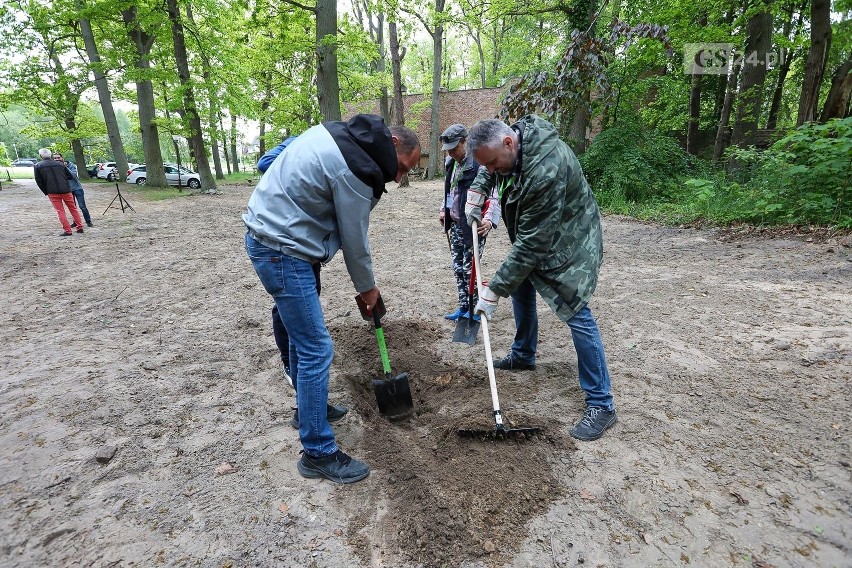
(594, 422)
(80, 229)
(74, 224)
(332, 413)
(285, 369)
(89, 224)
(64, 234)
(338, 467)
(509, 364)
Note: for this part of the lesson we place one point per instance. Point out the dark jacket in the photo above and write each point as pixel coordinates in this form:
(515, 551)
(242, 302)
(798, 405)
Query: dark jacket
(468, 173)
(52, 177)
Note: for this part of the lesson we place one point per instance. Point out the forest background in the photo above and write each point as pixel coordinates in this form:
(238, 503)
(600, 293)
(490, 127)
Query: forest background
(722, 112)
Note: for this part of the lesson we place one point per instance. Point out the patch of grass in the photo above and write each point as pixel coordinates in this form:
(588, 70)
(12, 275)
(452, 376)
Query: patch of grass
(242, 176)
(11, 173)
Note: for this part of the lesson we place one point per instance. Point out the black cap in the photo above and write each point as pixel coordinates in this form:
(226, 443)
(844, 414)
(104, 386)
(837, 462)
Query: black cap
(452, 136)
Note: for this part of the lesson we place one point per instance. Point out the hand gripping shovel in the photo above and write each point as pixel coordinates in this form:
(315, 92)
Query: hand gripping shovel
(467, 328)
(500, 432)
(393, 394)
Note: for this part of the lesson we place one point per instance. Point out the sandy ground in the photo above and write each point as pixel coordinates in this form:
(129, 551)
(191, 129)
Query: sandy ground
(147, 340)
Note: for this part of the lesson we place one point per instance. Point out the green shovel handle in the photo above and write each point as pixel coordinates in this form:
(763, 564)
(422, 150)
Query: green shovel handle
(380, 338)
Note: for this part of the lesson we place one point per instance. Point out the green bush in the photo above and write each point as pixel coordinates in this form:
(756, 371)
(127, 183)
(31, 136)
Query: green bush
(629, 163)
(802, 179)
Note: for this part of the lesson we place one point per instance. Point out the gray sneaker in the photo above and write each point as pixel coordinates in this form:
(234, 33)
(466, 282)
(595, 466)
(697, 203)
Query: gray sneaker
(338, 467)
(594, 422)
(332, 412)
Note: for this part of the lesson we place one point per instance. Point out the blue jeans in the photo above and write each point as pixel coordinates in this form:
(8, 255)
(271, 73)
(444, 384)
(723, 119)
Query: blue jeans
(591, 360)
(292, 284)
(81, 204)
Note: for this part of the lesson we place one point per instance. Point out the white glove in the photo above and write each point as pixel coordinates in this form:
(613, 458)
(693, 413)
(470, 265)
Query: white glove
(487, 302)
(473, 207)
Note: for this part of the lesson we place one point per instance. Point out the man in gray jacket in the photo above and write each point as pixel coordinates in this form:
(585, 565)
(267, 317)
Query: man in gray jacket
(313, 200)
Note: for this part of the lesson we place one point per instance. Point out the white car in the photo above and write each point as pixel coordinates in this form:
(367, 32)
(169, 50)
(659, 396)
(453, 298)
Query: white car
(107, 171)
(188, 178)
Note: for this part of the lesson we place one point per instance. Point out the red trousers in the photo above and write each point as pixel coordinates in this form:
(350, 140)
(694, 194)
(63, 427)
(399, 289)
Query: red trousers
(57, 199)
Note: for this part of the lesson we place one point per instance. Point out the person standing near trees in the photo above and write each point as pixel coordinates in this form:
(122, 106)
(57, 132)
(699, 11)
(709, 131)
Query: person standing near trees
(53, 178)
(76, 189)
(314, 200)
(461, 169)
(554, 226)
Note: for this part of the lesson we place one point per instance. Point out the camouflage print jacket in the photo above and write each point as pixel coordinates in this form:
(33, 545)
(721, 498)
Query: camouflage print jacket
(552, 218)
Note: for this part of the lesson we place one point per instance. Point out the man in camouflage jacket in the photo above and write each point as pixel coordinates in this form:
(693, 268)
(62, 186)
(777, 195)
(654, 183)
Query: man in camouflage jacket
(557, 248)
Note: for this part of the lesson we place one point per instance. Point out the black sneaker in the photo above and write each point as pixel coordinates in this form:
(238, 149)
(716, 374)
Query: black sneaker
(74, 224)
(64, 234)
(89, 224)
(338, 467)
(286, 371)
(594, 422)
(509, 364)
(333, 413)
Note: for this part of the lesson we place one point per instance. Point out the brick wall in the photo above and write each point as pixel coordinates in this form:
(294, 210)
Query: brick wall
(465, 107)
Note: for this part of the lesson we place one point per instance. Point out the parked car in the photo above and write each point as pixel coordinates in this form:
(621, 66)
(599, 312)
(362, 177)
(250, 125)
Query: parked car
(188, 178)
(107, 171)
(24, 163)
(93, 169)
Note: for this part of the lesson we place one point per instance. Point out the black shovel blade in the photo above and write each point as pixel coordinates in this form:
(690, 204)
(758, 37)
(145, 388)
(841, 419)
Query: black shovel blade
(466, 331)
(393, 395)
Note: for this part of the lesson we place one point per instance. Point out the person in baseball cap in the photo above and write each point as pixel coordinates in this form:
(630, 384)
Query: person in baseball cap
(451, 137)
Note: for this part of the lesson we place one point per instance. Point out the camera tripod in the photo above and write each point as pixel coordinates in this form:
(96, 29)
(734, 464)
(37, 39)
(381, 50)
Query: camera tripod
(123, 203)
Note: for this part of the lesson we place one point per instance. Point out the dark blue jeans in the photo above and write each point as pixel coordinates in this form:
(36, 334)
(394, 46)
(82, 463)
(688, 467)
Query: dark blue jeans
(81, 204)
(292, 284)
(282, 340)
(591, 359)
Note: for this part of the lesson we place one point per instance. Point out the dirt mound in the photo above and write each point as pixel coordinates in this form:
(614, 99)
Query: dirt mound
(450, 498)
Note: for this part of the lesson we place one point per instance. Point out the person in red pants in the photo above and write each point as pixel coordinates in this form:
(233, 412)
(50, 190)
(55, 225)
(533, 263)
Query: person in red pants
(53, 179)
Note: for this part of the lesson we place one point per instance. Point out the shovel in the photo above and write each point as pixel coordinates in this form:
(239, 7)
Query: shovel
(393, 393)
(467, 328)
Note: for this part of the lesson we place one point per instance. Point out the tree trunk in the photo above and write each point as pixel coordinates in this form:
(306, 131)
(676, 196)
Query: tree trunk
(837, 102)
(578, 130)
(328, 86)
(692, 130)
(815, 64)
(398, 108)
(234, 156)
(786, 56)
(196, 134)
(758, 45)
(105, 100)
(224, 143)
(693, 122)
(722, 131)
(435, 164)
(142, 42)
(264, 112)
(213, 109)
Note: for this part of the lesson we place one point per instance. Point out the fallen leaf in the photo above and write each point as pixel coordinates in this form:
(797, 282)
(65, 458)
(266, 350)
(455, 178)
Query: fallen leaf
(225, 468)
(647, 538)
(283, 508)
(836, 426)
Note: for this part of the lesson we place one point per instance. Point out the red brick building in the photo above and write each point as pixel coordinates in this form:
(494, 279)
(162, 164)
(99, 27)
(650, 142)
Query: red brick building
(465, 107)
